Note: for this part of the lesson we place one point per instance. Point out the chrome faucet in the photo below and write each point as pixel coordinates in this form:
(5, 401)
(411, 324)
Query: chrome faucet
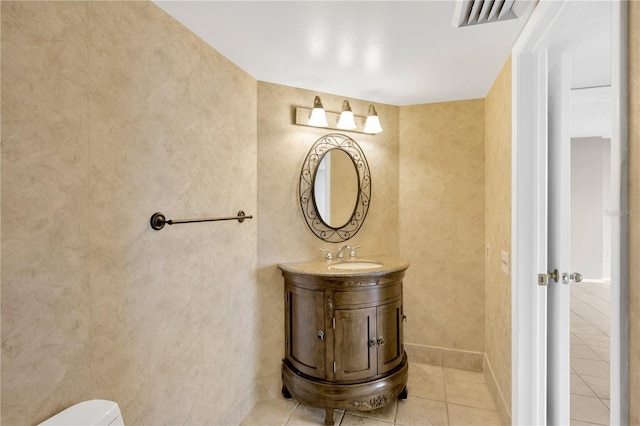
(340, 255)
(327, 255)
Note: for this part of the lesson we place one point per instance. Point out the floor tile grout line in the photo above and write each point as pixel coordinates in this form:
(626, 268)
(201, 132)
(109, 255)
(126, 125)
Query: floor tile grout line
(577, 334)
(593, 390)
(596, 295)
(581, 292)
(599, 356)
(475, 408)
(291, 413)
(592, 296)
(446, 397)
(592, 301)
(579, 316)
(446, 401)
(395, 416)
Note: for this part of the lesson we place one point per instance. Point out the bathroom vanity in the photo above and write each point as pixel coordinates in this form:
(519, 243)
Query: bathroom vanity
(344, 334)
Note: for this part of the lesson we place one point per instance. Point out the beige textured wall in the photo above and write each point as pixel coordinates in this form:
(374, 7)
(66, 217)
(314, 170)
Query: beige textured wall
(283, 235)
(634, 207)
(498, 230)
(442, 223)
(113, 111)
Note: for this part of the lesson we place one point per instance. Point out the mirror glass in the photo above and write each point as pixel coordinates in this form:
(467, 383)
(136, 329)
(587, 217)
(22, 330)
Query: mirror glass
(336, 188)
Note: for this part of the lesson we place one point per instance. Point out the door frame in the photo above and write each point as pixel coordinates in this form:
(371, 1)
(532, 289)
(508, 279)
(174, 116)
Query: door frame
(528, 210)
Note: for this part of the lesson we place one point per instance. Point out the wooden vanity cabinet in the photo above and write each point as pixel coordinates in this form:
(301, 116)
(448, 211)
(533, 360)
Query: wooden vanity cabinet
(344, 341)
(304, 339)
(368, 341)
(389, 325)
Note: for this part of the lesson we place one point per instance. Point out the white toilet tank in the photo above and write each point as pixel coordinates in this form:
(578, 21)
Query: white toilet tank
(96, 412)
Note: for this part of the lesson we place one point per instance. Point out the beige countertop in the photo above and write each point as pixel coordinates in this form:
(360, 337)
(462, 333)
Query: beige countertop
(321, 268)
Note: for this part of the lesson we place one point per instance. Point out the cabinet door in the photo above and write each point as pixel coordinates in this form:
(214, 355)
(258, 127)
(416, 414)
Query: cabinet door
(355, 352)
(304, 323)
(389, 339)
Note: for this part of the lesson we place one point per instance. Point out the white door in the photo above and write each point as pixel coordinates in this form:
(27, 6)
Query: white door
(558, 238)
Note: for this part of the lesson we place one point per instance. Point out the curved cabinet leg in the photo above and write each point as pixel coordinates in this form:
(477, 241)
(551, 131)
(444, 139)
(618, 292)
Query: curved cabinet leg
(285, 392)
(328, 419)
(403, 394)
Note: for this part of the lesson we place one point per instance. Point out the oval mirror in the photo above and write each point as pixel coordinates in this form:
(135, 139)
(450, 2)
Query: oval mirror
(335, 188)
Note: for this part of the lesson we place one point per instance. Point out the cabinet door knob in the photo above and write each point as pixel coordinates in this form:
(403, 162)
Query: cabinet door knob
(380, 341)
(372, 342)
(320, 335)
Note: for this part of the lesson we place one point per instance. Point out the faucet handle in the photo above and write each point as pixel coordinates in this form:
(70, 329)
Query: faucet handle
(327, 255)
(352, 255)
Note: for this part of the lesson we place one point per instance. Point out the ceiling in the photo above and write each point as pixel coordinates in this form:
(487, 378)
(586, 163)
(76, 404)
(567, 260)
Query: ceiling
(393, 52)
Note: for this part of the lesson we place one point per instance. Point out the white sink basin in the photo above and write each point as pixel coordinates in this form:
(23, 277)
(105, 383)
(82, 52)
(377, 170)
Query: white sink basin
(350, 266)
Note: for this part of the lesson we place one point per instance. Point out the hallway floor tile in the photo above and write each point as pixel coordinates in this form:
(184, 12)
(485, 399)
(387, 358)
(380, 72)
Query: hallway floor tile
(590, 331)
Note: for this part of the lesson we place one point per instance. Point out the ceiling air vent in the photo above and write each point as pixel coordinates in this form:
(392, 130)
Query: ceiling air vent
(473, 12)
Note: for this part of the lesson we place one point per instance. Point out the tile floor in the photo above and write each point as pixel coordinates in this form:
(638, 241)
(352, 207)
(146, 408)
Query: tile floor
(590, 331)
(437, 396)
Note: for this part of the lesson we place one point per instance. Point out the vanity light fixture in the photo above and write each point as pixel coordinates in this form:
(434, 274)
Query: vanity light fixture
(372, 125)
(346, 120)
(318, 117)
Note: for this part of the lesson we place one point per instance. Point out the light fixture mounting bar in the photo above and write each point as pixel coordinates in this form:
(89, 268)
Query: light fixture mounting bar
(302, 119)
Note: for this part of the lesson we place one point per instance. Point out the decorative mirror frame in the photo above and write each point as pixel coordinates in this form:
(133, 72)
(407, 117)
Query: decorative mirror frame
(315, 155)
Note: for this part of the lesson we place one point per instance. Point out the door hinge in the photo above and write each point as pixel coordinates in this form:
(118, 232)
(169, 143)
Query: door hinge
(334, 366)
(333, 323)
(286, 343)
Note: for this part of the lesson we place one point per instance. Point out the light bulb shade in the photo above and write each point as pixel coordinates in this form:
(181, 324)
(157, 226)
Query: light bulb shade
(372, 125)
(346, 121)
(318, 116)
